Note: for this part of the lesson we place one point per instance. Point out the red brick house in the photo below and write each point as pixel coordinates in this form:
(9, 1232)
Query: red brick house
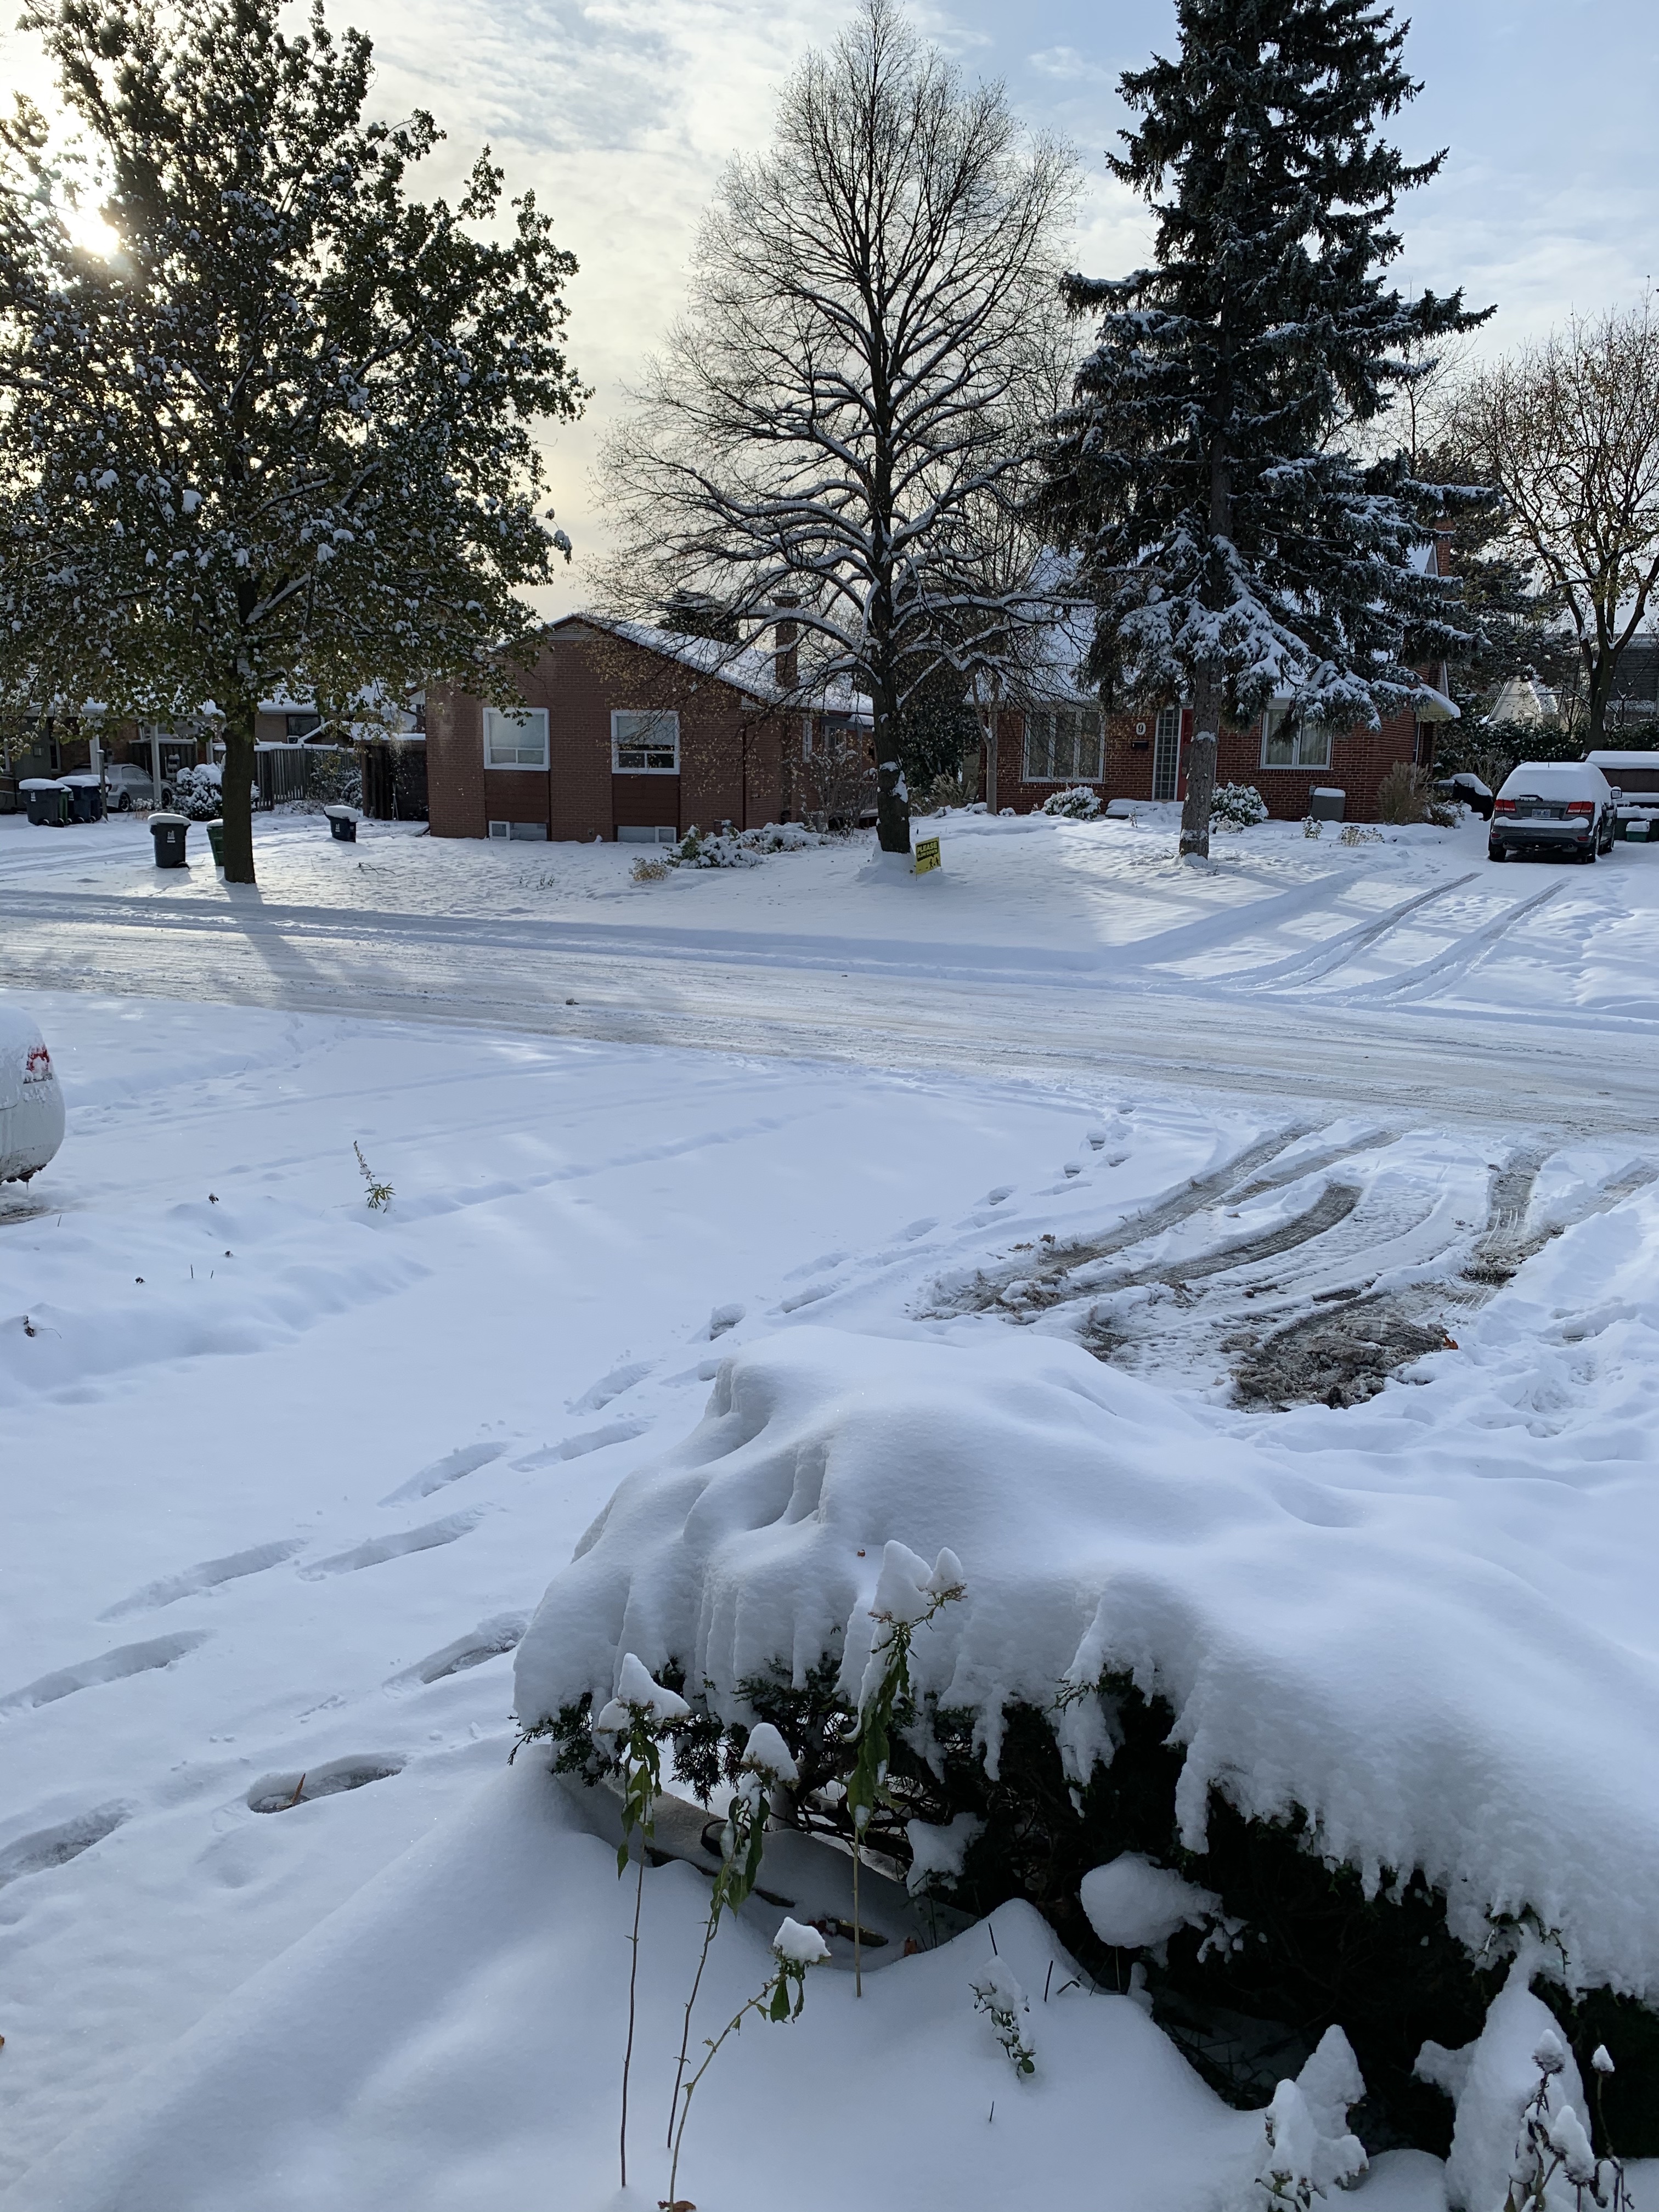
(1034, 749)
(626, 733)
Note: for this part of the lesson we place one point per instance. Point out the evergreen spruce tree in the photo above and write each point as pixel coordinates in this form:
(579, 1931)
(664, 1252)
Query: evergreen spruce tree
(281, 435)
(1235, 547)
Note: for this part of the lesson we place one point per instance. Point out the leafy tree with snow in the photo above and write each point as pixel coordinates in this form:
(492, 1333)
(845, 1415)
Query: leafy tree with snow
(839, 432)
(281, 433)
(1235, 544)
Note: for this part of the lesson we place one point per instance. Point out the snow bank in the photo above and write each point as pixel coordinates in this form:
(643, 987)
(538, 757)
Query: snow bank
(1427, 1676)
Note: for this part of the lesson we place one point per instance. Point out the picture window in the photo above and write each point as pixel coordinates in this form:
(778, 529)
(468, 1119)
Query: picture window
(644, 742)
(1062, 746)
(518, 740)
(1289, 742)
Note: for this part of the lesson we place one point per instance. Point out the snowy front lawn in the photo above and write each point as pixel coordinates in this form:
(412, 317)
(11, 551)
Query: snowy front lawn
(1324, 1448)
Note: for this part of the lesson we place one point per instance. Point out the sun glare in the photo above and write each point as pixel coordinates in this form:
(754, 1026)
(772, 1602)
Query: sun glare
(88, 230)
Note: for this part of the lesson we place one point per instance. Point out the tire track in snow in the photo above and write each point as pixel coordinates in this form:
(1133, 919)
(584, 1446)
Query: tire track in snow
(1303, 968)
(1431, 976)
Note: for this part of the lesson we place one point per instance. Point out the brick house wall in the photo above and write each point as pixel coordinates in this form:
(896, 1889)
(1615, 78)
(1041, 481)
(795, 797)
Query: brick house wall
(730, 746)
(1360, 761)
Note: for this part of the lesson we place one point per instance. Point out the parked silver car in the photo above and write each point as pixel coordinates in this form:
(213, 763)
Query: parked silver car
(126, 787)
(1566, 807)
(31, 1105)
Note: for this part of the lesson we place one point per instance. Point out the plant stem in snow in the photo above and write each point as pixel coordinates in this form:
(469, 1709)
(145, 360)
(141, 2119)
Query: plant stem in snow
(795, 1948)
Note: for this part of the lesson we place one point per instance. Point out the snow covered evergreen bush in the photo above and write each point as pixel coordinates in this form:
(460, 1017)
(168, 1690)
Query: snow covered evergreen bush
(1237, 806)
(1079, 804)
(196, 794)
(1146, 1663)
(722, 848)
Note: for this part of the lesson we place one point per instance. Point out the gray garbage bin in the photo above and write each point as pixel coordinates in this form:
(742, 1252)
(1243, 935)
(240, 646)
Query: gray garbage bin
(1328, 806)
(343, 824)
(47, 801)
(169, 831)
(86, 797)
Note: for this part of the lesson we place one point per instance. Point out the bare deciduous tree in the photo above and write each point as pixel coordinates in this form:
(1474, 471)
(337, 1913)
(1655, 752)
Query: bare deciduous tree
(846, 409)
(1569, 432)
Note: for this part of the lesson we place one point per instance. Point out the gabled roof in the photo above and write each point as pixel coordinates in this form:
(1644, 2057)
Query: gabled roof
(745, 668)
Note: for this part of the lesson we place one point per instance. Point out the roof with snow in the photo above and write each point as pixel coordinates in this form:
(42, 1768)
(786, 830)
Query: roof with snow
(746, 668)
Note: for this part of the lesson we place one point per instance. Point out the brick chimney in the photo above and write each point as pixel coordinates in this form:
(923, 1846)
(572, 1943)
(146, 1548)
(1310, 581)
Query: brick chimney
(786, 657)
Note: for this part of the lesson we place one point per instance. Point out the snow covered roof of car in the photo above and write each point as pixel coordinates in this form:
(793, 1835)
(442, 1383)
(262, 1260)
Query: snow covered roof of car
(1601, 759)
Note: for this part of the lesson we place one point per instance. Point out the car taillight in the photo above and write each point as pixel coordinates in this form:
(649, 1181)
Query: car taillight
(1581, 806)
(1502, 806)
(36, 1068)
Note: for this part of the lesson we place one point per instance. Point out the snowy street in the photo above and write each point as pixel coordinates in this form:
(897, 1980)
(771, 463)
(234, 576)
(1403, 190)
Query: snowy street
(1407, 972)
(1353, 1212)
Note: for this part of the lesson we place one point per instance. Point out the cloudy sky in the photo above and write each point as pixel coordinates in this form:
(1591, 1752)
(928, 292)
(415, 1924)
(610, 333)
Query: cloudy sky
(621, 113)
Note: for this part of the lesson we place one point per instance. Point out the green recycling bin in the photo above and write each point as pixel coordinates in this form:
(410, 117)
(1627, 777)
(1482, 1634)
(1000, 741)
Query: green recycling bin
(215, 832)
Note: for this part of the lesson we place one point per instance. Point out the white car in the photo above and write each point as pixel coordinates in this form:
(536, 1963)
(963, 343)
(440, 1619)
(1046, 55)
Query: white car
(1552, 806)
(31, 1105)
(126, 787)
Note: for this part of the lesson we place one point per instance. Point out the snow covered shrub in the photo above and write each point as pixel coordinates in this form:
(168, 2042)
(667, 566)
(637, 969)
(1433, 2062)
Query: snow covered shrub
(1406, 794)
(908, 1596)
(1237, 806)
(998, 1993)
(1079, 804)
(779, 837)
(1150, 1665)
(650, 871)
(722, 848)
(1310, 828)
(1309, 2149)
(196, 794)
(796, 1949)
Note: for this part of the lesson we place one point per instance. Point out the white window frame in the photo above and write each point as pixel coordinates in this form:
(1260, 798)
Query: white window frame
(659, 722)
(521, 731)
(1309, 743)
(1083, 724)
(1166, 752)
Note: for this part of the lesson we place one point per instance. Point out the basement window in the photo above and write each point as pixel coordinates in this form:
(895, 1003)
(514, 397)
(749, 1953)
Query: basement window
(531, 833)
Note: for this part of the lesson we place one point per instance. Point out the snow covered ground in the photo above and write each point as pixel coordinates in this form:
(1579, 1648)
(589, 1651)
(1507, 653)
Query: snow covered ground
(285, 1477)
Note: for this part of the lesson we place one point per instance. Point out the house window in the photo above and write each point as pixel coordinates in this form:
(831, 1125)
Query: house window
(1062, 747)
(1166, 752)
(1289, 742)
(534, 833)
(644, 742)
(302, 725)
(518, 740)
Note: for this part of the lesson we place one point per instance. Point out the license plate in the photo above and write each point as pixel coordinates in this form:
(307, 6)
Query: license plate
(1540, 813)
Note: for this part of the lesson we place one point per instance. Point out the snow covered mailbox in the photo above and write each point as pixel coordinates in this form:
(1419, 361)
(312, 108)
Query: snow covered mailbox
(31, 1105)
(1303, 1762)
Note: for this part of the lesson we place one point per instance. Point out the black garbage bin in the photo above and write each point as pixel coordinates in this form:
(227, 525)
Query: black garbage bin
(169, 831)
(86, 797)
(343, 824)
(47, 801)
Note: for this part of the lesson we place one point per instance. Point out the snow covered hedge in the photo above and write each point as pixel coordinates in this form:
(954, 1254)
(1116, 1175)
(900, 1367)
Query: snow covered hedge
(1377, 1760)
(1079, 804)
(1237, 806)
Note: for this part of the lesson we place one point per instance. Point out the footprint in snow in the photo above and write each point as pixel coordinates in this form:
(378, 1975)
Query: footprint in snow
(490, 1639)
(594, 1401)
(109, 1667)
(379, 1549)
(207, 1575)
(466, 1459)
(56, 1846)
(280, 1793)
(577, 1447)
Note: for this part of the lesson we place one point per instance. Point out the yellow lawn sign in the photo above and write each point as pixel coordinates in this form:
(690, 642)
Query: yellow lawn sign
(927, 855)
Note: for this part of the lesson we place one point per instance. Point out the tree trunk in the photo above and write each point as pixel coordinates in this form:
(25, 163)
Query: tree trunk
(892, 796)
(236, 792)
(1201, 766)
